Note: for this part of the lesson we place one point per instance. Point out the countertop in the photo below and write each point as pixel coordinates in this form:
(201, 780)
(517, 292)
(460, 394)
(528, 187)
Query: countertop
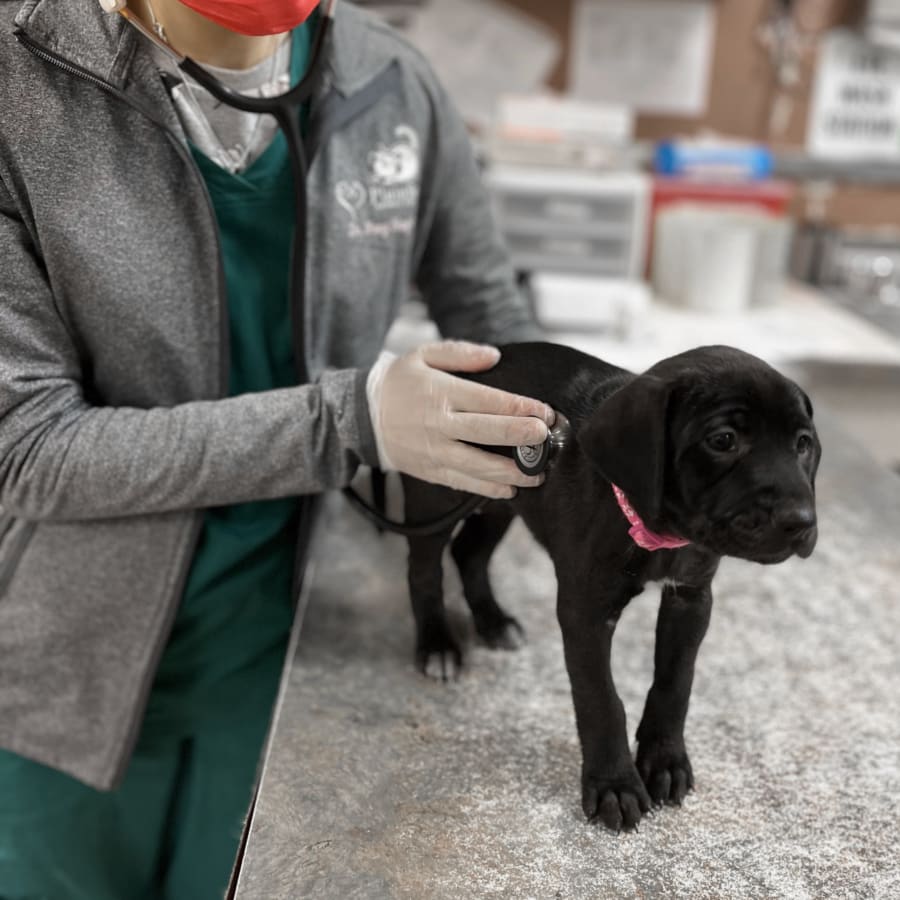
(803, 323)
(381, 784)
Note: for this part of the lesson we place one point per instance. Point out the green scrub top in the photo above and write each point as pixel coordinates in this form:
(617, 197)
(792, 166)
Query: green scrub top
(231, 629)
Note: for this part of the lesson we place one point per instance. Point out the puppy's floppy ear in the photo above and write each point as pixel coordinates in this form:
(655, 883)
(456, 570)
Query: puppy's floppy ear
(806, 402)
(817, 457)
(625, 440)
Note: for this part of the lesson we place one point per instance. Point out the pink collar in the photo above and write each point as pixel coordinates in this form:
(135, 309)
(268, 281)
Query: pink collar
(640, 533)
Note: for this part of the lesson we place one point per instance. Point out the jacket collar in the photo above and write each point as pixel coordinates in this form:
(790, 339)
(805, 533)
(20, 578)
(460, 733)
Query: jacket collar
(104, 45)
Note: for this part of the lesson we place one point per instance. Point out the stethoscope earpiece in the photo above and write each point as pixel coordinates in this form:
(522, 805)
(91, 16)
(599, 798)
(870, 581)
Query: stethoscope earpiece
(534, 458)
(113, 6)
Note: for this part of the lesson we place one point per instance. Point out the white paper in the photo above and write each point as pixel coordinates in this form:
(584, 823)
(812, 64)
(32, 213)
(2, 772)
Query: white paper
(883, 10)
(652, 55)
(855, 110)
(482, 49)
(552, 116)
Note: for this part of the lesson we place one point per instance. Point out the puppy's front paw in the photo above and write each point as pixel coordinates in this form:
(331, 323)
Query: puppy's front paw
(437, 654)
(666, 770)
(617, 802)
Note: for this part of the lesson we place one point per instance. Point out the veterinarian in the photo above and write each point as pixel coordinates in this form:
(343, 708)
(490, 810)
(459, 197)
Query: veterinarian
(171, 401)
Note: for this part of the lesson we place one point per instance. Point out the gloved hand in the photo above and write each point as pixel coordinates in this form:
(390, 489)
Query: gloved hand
(421, 415)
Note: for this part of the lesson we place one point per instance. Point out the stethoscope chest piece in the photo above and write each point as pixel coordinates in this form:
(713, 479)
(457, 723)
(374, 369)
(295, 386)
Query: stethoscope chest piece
(532, 459)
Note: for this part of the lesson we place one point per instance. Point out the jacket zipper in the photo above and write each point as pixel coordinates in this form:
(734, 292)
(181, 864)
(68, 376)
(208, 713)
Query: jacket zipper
(224, 350)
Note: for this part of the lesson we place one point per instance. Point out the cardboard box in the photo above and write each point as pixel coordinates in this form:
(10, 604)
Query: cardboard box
(844, 205)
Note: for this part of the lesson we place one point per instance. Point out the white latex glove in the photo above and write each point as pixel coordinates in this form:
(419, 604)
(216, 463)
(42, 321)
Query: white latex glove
(421, 414)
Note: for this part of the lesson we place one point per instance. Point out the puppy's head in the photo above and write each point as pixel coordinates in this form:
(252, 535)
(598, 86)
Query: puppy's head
(717, 447)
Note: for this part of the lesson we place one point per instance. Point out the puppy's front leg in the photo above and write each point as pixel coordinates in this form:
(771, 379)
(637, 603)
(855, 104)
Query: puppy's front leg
(437, 653)
(662, 758)
(611, 788)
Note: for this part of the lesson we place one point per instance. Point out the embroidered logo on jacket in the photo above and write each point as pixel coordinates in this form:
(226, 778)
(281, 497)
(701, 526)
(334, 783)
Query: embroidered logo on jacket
(391, 186)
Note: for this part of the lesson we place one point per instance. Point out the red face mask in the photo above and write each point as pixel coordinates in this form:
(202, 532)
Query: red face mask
(255, 17)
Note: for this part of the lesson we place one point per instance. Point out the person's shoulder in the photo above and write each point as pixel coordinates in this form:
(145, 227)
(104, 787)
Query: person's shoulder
(33, 32)
(8, 11)
(16, 63)
(384, 43)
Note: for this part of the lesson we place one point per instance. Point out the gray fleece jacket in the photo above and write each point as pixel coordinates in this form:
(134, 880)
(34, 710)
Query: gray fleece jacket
(115, 425)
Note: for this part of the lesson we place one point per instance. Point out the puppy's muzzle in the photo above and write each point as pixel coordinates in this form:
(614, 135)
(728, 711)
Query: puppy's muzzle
(796, 523)
(772, 534)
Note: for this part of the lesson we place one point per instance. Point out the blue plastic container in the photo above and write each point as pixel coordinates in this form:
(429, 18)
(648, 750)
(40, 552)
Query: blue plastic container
(709, 160)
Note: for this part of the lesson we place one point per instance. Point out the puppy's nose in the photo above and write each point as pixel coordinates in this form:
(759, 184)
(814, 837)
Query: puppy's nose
(795, 518)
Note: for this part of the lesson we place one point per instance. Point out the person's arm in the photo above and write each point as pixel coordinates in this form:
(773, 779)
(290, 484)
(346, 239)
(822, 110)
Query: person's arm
(464, 272)
(63, 458)
(426, 418)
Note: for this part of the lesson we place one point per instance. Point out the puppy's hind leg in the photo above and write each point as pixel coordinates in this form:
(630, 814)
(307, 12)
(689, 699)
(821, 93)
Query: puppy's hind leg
(662, 759)
(472, 549)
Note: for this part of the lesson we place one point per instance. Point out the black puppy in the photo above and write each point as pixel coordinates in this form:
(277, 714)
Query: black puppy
(712, 453)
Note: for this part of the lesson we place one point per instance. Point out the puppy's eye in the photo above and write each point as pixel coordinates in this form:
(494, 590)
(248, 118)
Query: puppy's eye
(804, 444)
(722, 441)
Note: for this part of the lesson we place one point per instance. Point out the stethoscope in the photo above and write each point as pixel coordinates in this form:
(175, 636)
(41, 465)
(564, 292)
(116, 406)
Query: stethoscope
(285, 108)
(532, 459)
